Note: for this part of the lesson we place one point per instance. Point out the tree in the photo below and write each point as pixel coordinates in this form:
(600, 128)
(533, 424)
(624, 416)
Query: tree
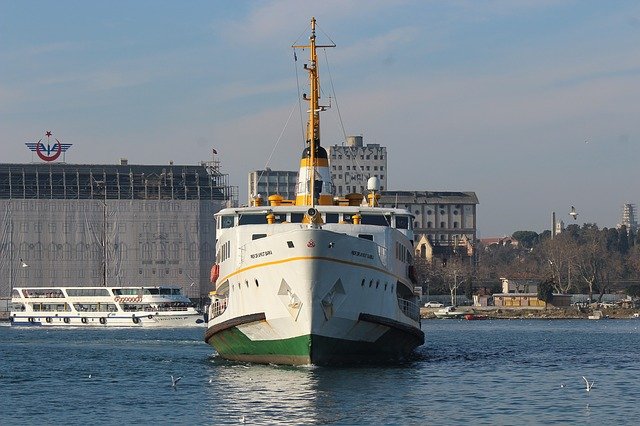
(633, 291)
(557, 256)
(545, 291)
(591, 258)
(527, 238)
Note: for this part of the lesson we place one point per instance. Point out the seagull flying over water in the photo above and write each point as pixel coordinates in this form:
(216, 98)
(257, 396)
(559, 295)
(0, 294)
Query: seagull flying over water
(589, 385)
(175, 381)
(573, 213)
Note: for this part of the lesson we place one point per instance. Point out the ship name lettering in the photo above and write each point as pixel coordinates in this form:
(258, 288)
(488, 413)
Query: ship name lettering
(261, 254)
(361, 254)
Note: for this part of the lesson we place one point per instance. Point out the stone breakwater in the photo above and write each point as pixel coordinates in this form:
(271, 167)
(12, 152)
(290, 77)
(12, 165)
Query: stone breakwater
(550, 313)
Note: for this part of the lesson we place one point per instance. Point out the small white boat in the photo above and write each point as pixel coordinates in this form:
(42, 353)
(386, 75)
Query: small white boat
(596, 315)
(103, 307)
(449, 312)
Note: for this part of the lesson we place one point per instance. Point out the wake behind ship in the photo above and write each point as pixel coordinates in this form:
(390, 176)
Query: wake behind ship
(318, 279)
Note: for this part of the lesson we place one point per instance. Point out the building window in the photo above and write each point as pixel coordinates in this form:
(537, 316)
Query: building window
(381, 188)
(339, 167)
(455, 224)
(381, 176)
(368, 157)
(429, 224)
(375, 157)
(442, 225)
(381, 167)
(375, 167)
(339, 157)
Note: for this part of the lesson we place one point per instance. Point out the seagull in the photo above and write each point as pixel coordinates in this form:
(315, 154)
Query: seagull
(23, 264)
(573, 213)
(89, 375)
(561, 385)
(589, 385)
(210, 380)
(242, 419)
(174, 382)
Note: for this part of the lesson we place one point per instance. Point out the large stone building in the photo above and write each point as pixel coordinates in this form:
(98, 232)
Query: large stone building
(91, 225)
(353, 164)
(269, 182)
(445, 221)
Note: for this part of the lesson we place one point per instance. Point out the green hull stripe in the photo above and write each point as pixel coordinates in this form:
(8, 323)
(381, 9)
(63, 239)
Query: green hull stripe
(234, 345)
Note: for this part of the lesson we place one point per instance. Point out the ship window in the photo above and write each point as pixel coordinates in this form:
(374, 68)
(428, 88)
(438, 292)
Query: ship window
(227, 221)
(366, 237)
(297, 217)
(256, 281)
(402, 222)
(258, 236)
(370, 219)
(377, 284)
(370, 283)
(252, 219)
(331, 218)
(362, 284)
(290, 244)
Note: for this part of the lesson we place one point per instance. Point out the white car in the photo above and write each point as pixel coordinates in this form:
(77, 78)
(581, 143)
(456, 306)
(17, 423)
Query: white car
(433, 305)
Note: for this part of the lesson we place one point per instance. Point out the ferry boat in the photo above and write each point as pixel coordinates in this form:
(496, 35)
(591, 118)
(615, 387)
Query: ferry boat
(103, 307)
(315, 280)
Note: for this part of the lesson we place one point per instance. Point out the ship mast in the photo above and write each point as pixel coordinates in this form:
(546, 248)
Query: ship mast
(313, 125)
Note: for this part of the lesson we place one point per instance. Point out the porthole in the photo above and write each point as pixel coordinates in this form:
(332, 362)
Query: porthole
(246, 283)
(362, 284)
(370, 283)
(385, 286)
(377, 284)
(256, 280)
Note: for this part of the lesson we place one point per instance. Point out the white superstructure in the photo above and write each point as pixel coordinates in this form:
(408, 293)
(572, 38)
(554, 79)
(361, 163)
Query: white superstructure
(103, 307)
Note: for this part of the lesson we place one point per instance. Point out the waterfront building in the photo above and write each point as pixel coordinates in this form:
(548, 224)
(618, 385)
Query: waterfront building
(446, 219)
(110, 224)
(353, 163)
(270, 182)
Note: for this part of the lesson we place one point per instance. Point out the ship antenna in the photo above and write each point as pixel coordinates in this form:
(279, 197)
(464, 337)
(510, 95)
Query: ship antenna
(313, 126)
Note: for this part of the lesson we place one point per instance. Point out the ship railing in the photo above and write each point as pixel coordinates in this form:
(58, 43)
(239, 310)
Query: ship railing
(218, 307)
(409, 308)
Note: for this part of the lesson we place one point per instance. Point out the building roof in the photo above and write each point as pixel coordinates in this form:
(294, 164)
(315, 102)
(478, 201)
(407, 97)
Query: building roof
(112, 181)
(428, 197)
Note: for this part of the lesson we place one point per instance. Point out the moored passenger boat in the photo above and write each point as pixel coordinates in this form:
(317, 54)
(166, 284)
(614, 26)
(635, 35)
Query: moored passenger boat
(318, 279)
(103, 307)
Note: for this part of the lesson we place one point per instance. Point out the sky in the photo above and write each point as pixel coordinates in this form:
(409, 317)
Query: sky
(534, 104)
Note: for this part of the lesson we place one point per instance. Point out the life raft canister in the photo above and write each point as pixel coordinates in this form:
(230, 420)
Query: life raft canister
(215, 273)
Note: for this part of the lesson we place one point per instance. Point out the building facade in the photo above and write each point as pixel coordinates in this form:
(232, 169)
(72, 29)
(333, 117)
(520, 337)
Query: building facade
(446, 219)
(354, 163)
(93, 225)
(269, 182)
(629, 218)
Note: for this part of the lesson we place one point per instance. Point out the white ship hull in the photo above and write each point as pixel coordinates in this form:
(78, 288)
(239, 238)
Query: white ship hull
(328, 299)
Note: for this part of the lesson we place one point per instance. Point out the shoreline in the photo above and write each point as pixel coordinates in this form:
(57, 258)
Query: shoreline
(492, 312)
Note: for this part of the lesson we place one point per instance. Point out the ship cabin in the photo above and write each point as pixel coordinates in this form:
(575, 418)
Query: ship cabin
(321, 215)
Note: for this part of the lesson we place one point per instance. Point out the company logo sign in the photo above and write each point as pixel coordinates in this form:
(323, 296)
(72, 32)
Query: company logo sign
(48, 152)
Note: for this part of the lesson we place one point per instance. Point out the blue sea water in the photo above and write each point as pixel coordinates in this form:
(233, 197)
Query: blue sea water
(504, 372)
